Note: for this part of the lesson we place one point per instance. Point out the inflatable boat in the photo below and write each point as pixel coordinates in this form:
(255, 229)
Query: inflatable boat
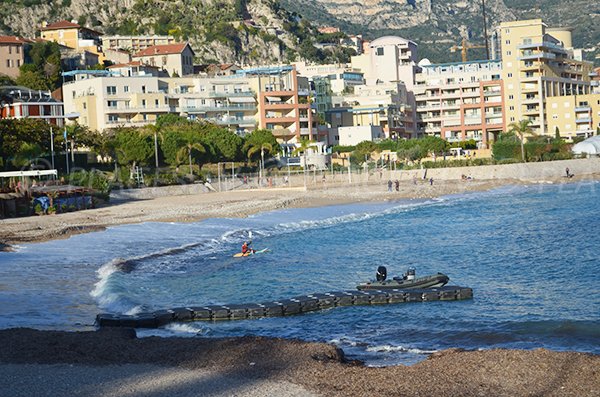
(406, 281)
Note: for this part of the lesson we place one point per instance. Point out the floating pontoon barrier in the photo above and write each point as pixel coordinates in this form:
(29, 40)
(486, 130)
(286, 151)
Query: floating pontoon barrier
(283, 307)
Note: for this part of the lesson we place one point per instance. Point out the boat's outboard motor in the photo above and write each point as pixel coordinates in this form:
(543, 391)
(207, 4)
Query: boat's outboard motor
(381, 273)
(410, 273)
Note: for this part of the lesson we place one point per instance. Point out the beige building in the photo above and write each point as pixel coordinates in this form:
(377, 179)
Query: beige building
(104, 101)
(392, 59)
(177, 60)
(574, 115)
(12, 55)
(135, 43)
(461, 101)
(74, 36)
(538, 62)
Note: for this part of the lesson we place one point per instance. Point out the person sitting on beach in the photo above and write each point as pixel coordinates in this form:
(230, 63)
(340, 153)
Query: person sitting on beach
(246, 247)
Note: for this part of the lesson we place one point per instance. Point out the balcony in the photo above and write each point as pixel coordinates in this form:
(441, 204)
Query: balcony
(138, 109)
(543, 44)
(214, 94)
(471, 120)
(584, 120)
(241, 121)
(226, 108)
(539, 55)
(582, 108)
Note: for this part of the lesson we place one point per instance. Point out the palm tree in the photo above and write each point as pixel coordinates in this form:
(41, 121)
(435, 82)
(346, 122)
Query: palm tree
(188, 149)
(262, 147)
(521, 128)
(305, 145)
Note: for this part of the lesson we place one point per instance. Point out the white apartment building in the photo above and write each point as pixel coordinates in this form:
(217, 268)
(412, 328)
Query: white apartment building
(392, 59)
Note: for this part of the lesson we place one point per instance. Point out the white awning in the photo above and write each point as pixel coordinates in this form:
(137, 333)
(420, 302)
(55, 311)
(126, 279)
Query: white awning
(12, 174)
(242, 99)
(274, 99)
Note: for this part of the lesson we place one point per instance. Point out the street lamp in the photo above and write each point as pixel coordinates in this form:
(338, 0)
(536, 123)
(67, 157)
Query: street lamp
(68, 116)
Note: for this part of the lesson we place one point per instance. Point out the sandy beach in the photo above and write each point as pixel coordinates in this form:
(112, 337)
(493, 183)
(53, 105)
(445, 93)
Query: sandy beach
(239, 203)
(113, 362)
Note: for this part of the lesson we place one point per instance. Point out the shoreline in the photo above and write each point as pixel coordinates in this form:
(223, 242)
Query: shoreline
(114, 362)
(235, 204)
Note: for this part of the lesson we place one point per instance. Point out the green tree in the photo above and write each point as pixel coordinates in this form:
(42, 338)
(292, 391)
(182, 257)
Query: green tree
(305, 146)
(43, 73)
(522, 129)
(5, 80)
(256, 139)
(363, 152)
(15, 132)
(192, 147)
(226, 145)
(133, 147)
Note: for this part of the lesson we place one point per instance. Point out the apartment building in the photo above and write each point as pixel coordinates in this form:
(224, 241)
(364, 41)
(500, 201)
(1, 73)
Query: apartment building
(342, 78)
(135, 43)
(105, 101)
(391, 59)
(382, 106)
(283, 103)
(20, 102)
(226, 101)
(573, 115)
(72, 35)
(461, 101)
(12, 55)
(538, 62)
(176, 60)
(269, 98)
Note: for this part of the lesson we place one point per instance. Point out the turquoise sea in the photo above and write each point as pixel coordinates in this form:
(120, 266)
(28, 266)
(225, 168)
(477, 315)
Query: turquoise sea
(529, 253)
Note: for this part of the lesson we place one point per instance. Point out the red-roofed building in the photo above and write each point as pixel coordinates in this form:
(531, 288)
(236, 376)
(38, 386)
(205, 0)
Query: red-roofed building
(175, 59)
(72, 35)
(12, 55)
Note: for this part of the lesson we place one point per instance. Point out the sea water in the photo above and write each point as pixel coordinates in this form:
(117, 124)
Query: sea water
(528, 252)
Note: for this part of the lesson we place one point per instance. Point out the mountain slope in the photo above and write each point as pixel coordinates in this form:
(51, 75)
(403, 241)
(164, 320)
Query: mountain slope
(215, 28)
(437, 25)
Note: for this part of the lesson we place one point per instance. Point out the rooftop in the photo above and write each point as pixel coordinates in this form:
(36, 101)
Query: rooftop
(164, 49)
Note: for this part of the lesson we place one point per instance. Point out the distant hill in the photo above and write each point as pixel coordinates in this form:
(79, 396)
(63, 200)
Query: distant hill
(437, 25)
(285, 30)
(247, 32)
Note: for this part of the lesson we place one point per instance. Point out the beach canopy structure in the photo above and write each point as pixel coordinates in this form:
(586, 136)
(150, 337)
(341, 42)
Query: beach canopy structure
(590, 146)
(33, 173)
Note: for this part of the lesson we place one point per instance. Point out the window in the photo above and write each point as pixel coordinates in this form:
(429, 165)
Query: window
(506, 30)
(143, 89)
(111, 90)
(511, 97)
(143, 103)
(113, 118)
(527, 41)
(507, 42)
(379, 51)
(508, 52)
(126, 88)
(10, 49)
(18, 62)
(85, 105)
(555, 116)
(156, 102)
(511, 108)
(18, 50)
(112, 104)
(510, 75)
(512, 119)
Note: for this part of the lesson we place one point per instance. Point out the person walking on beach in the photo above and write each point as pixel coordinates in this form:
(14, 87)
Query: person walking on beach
(397, 183)
(389, 185)
(568, 173)
(431, 181)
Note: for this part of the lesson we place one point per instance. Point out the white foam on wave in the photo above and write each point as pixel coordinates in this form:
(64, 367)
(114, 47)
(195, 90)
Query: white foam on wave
(393, 349)
(188, 330)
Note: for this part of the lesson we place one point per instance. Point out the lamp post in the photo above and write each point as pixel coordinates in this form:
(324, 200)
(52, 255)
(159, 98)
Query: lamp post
(52, 145)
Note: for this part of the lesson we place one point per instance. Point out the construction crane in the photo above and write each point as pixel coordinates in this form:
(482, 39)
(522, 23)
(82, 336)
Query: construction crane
(464, 47)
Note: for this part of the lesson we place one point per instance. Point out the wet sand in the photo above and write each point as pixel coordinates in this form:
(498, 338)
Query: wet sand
(112, 362)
